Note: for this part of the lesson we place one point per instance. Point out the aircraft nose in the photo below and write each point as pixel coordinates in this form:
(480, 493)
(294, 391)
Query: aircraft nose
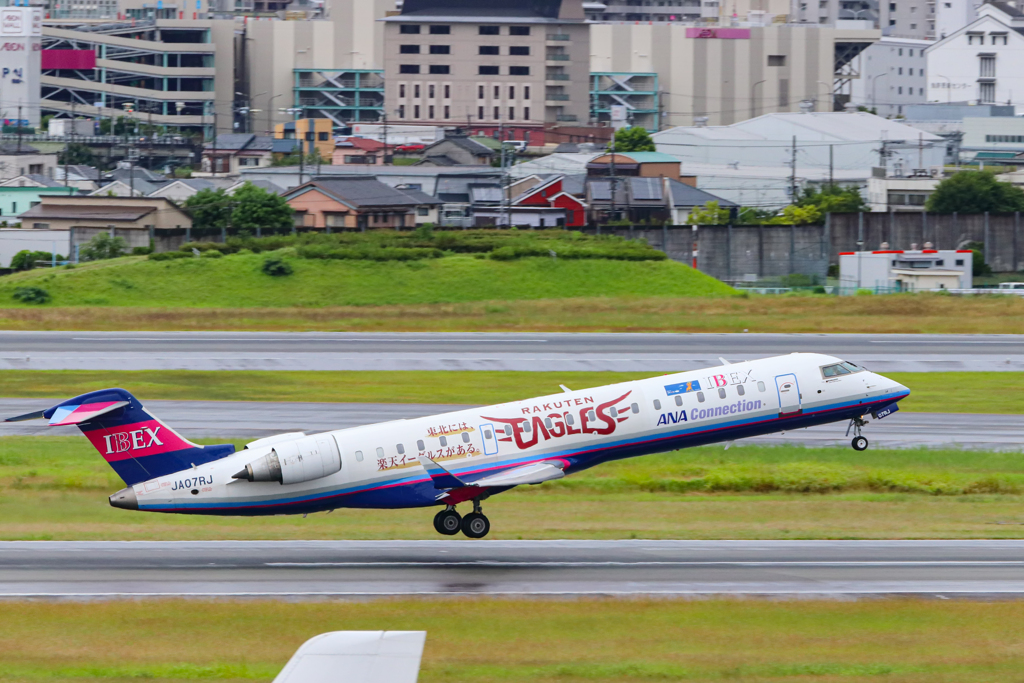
(125, 499)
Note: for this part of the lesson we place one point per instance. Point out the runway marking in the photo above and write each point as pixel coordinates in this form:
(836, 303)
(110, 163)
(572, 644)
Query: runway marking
(938, 341)
(660, 563)
(310, 339)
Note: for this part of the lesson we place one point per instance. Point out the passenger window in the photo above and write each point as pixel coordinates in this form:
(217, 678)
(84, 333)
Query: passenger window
(465, 437)
(526, 426)
(700, 396)
(591, 416)
(569, 419)
(740, 390)
(760, 386)
(487, 434)
(508, 430)
(657, 404)
(380, 452)
(359, 456)
(635, 408)
(613, 412)
(547, 422)
(420, 445)
(400, 448)
(444, 441)
(679, 400)
(721, 393)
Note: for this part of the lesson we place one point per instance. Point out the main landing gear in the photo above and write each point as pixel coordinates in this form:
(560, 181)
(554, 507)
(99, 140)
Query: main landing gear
(859, 443)
(474, 525)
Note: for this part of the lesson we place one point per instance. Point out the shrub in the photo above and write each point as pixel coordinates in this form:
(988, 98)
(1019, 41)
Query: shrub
(103, 246)
(141, 251)
(26, 260)
(276, 267)
(31, 295)
(212, 253)
(168, 256)
(367, 253)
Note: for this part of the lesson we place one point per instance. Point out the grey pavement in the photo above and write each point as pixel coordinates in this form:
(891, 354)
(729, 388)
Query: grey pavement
(360, 569)
(660, 352)
(255, 420)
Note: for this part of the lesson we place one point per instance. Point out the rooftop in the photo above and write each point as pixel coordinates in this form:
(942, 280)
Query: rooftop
(107, 212)
(364, 192)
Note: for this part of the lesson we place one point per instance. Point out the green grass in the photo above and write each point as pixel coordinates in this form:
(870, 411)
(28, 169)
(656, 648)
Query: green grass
(55, 488)
(487, 640)
(976, 392)
(236, 281)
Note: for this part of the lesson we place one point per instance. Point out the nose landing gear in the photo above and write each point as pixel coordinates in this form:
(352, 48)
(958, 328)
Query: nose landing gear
(859, 443)
(474, 525)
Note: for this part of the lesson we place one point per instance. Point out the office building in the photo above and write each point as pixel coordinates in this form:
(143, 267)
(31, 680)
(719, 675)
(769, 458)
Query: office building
(892, 76)
(489, 66)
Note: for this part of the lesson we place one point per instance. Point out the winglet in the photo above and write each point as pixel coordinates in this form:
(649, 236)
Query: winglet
(442, 478)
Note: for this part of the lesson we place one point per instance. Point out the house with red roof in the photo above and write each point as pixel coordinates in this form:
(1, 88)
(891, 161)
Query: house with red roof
(358, 152)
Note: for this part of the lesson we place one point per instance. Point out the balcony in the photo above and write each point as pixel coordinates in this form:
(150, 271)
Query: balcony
(558, 36)
(557, 57)
(568, 118)
(557, 77)
(557, 97)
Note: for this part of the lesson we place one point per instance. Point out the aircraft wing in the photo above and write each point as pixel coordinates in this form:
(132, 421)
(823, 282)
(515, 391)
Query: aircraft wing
(534, 473)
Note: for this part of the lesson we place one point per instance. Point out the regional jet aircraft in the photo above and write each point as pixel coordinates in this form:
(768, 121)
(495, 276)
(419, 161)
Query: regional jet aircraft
(469, 455)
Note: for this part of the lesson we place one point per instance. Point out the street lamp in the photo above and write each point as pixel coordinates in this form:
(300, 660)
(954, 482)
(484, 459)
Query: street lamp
(874, 82)
(270, 104)
(753, 101)
(295, 111)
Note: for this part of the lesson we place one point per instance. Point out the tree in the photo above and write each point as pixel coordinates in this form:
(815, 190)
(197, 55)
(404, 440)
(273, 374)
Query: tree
(975, 192)
(210, 209)
(258, 208)
(313, 158)
(103, 246)
(798, 215)
(833, 199)
(634, 139)
(27, 260)
(709, 214)
(77, 153)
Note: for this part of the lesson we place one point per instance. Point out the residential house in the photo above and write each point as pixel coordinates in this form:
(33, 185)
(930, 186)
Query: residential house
(639, 164)
(359, 202)
(133, 218)
(181, 189)
(21, 159)
(358, 152)
(533, 202)
(24, 192)
(81, 177)
(129, 181)
(646, 200)
(229, 153)
(457, 150)
(314, 134)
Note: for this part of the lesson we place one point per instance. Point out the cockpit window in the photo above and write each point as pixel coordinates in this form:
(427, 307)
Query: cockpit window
(838, 369)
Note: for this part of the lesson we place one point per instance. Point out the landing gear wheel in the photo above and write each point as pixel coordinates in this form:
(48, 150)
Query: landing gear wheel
(448, 522)
(475, 525)
(860, 443)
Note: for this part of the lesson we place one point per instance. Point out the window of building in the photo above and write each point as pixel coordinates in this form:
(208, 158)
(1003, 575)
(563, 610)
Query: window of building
(409, 49)
(409, 29)
(497, 112)
(440, 30)
(409, 68)
(440, 69)
(987, 64)
(430, 91)
(910, 53)
(488, 70)
(490, 30)
(511, 113)
(899, 71)
(522, 50)
(416, 112)
(447, 91)
(401, 90)
(401, 111)
(972, 37)
(447, 111)
(776, 60)
(422, 211)
(323, 135)
(310, 136)
(489, 50)
(416, 90)
(920, 91)
(511, 92)
(440, 49)
(519, 30)
(901, 52)
(999, 39)
(480, 113)
(988, 92)
(519, 71)
(900, 90)
(526, 113)
(480, 92)
(430, 112)
(497, 92)
(526, 92)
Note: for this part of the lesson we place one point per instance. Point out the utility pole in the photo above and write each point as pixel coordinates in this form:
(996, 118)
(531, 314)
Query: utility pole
(612, 173)
(213, 152)
(831, 167)
(149, 109)
(792, 176)
(67, 142)
(385, 136)
(19, 127)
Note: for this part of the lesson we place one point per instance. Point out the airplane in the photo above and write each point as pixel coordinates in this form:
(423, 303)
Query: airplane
(469, 455)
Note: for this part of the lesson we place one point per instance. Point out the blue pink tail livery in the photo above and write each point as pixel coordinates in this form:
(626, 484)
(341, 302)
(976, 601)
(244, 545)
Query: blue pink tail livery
(137, 445)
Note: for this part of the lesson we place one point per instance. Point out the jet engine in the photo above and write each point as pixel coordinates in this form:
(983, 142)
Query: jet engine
(293, 462)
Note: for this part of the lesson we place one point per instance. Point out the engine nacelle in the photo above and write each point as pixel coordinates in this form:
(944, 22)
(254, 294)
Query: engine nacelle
(312, 457)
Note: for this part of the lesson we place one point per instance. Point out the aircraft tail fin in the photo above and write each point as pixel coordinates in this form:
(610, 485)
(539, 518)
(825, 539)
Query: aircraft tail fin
(135, 443)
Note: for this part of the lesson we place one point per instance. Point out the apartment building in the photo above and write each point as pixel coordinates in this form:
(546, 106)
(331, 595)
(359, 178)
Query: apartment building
(897, 18)
(892, 76)
(497, 65)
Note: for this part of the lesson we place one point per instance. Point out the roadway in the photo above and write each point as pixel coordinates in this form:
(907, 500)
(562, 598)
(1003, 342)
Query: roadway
(661, 352)
(243, 420)
(359, 569)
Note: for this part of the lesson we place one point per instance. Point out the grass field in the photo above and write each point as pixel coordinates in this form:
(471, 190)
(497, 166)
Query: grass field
(237, 282)
(621, 641)
(596, 309)
(55, 488)
(976, 392)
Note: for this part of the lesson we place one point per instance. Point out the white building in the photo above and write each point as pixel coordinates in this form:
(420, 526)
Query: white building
(981, 62)
(908, 193)
(904, 271)
(749, 162)
(892, 76)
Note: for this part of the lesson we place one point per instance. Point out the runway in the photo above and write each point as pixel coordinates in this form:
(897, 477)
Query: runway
(361, 569)
(489, 351)
(242, 420)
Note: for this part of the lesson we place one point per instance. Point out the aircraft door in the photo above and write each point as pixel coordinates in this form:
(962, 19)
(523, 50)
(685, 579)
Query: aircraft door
(789, 395)
(489, 438)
